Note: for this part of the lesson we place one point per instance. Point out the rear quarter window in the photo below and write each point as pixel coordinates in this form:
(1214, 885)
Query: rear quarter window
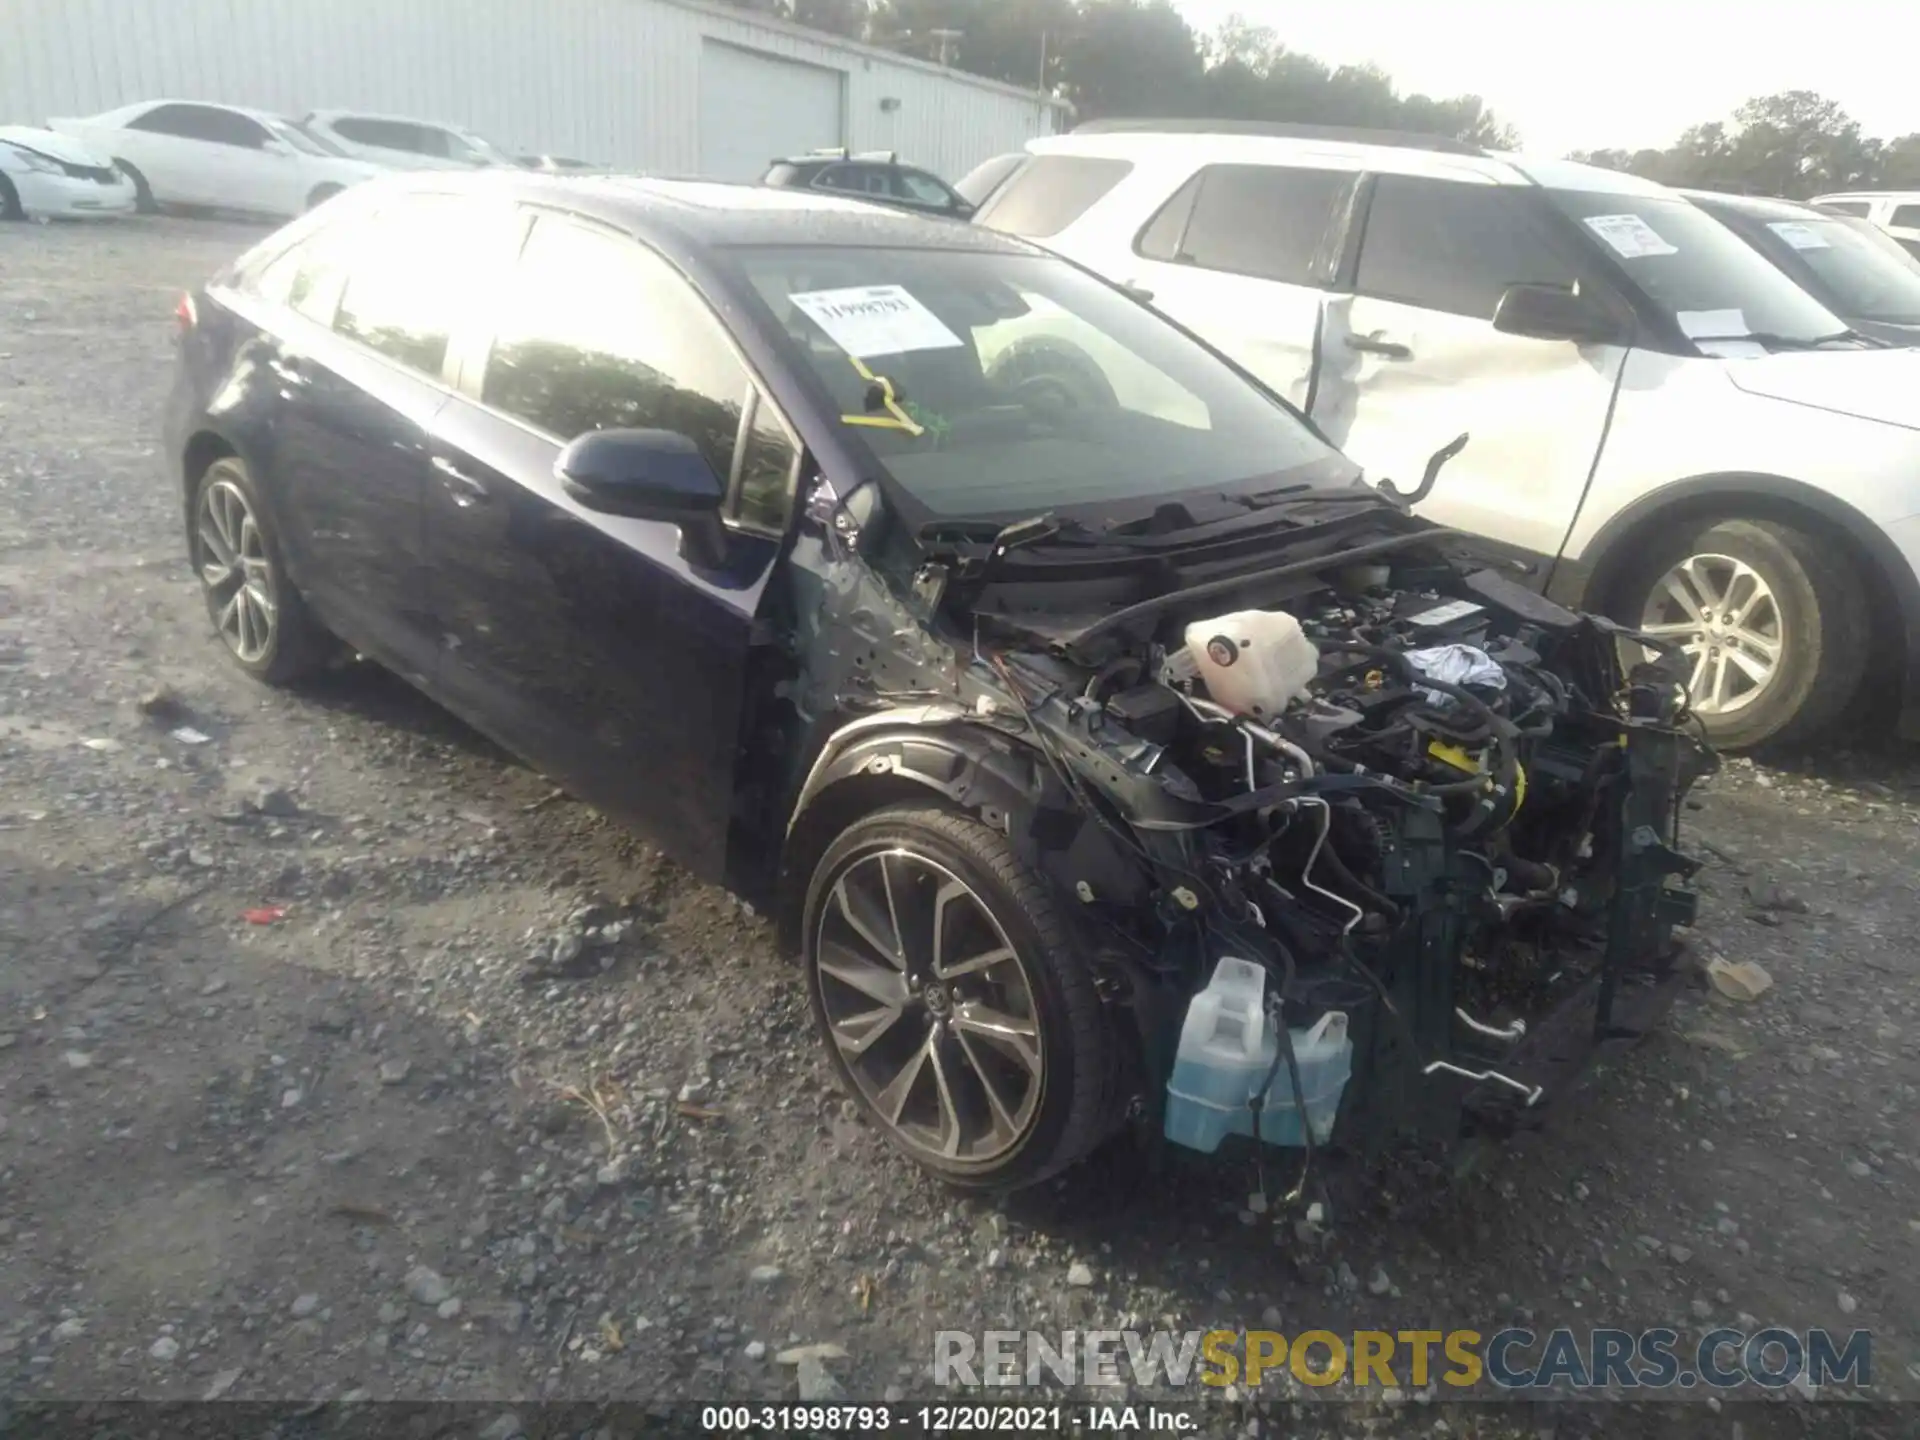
(1269, 221)
(1905, 217)
(1052, 192)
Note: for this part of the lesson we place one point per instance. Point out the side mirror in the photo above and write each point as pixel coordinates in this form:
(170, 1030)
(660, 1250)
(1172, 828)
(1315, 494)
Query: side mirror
(276, 147)
(650, 475)
(961, 210)
(1548, 312)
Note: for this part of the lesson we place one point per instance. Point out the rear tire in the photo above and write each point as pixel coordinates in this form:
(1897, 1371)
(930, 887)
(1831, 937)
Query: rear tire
(1785, 653)
(10, 206)
(1020, 1073)
(143, 201)
(263, 621)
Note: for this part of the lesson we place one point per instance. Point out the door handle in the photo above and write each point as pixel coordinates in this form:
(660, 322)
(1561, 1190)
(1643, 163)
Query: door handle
(464, 488)
(1391, 349)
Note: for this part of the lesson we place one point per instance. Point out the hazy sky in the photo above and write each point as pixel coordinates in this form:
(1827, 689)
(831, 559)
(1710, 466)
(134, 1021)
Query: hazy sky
(1629, 73)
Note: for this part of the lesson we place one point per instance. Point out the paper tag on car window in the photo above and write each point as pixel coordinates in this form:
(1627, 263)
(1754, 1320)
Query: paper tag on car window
(1798, 234)
(1719, 333)
(876, 320)
(1714, 324)
(1630, 236)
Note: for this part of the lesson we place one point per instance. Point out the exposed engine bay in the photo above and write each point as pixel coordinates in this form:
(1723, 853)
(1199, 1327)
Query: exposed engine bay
(1413, 790)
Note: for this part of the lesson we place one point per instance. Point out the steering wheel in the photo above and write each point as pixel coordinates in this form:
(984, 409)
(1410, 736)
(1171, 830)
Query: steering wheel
(1052, 378)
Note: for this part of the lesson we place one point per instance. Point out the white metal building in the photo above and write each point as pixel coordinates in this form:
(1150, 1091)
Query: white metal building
(674, 86)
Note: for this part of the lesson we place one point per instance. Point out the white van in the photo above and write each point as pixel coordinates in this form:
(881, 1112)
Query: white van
(1895, 211)
(1663, 426)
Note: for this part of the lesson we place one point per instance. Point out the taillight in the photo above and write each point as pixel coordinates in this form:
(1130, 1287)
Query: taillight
(184, 314)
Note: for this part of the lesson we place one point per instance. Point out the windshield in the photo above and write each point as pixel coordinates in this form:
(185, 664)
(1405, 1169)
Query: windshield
(296, 137)
(1689, 265)
(991, 384)
(1859, 271)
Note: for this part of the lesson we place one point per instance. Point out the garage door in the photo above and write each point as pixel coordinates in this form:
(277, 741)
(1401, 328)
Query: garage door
(756, 107)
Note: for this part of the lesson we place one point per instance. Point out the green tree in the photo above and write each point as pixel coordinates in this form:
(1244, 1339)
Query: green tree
(1132, 57)
(836, 17)
(1900, 163)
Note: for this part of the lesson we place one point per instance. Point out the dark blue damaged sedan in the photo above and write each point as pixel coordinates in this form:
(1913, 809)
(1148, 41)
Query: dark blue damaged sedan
(1107, 747)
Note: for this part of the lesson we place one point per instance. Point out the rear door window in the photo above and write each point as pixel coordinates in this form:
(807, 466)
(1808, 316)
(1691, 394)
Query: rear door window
(307, 276)
(385, 134)
(1453, 246)
(202, 122)
(1052, 192)
(1271, 221)
(412, 271)
(854, 180)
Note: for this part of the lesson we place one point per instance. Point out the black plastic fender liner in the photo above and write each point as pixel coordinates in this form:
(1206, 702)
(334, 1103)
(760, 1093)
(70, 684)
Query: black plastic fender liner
(973, 765)
(916, 751)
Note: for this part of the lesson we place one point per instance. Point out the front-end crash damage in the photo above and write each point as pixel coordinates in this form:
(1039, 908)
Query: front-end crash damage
(1482, 874)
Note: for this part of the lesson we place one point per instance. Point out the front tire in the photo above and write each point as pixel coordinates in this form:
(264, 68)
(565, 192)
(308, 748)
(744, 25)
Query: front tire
(321, 194)
(10, 206)
(953, 1002)
(1774, 619)
(259, 616)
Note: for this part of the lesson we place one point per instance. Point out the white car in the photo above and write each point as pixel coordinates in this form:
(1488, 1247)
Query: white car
(44, 176)
(184, 152)
(402, 143)
(1662, 425)
(1895, 211)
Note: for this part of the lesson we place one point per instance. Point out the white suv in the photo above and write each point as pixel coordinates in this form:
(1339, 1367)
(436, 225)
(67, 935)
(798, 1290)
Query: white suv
(1895, 211)
(1663, 426)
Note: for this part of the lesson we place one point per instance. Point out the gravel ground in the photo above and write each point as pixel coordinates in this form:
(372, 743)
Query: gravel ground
(504, 1105)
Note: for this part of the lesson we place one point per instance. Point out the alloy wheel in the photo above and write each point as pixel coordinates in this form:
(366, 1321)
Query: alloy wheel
(930, 1007)
(1725, 618)
(242, 593)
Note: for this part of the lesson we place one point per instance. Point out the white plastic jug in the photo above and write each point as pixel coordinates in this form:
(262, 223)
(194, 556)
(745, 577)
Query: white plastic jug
(1254, 661)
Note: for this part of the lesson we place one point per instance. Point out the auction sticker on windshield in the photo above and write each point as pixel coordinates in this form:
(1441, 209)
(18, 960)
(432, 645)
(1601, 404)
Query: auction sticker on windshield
(1799, 234)
(872, 320)
(1630, 236)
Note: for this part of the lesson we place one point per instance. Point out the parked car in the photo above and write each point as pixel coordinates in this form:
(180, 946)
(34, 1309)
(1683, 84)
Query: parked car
(1849, 265)
(894, 574)
(48, 176)
(1895, 211)
(400, 143)
(877, 176)
(184, 152)
(1664, 427)
(556, 164)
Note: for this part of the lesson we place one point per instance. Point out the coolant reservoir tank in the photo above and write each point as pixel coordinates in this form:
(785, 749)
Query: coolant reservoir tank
(1254, 661)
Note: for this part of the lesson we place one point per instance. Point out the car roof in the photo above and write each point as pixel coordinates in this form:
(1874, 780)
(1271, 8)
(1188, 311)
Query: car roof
(1761, 207)
(715, 212)
(1439, 160)
(141, 107)
(1867, 195)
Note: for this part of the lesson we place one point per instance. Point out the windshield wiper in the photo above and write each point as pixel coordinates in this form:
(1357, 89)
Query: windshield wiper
(1785, 342)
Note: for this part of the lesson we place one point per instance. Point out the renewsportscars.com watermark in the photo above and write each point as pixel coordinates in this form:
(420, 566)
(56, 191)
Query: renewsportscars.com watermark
(1514, 1360)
